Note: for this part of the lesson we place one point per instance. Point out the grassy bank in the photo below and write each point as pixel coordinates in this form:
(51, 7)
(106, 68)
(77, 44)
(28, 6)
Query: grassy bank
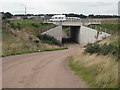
(22, 36)
(108, 28)
(31, 51)
(97, 71)
(98, 65)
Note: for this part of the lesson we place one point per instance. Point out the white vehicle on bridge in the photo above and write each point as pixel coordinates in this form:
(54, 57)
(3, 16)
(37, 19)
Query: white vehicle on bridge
(58, 18)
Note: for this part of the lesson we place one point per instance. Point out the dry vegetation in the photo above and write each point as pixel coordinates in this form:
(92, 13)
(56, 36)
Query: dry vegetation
(98, 71)
(21, 36)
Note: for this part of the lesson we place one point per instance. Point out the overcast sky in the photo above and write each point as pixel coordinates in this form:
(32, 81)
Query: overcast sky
(107, 7)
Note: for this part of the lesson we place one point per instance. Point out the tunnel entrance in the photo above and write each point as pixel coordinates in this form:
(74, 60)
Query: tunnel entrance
(67, 40)
(71, 34)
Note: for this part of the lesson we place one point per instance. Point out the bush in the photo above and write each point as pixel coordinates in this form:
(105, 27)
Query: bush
(103, 49)
(44, 23)
(92, 48)
(35, 25)
(117, 53)
(107, 49)
(15, 26)
(49, 39)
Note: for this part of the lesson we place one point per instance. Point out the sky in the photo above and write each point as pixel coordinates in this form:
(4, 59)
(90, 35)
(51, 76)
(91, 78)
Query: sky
(97, 7)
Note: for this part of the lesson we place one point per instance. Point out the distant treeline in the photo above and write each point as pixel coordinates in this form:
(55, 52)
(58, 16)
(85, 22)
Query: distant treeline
(9, 15)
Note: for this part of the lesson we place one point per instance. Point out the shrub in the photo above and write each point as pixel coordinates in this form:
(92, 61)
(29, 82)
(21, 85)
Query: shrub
(41, 23)
(103, 49)
(44, 23)
(6, 21)
(35, 25)
(92, 48)
(49, 39)
(117, 53)
(107, 49)
(15, 25)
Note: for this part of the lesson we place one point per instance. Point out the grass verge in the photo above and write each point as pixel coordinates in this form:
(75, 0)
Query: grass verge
(97, 71)
(32, 51)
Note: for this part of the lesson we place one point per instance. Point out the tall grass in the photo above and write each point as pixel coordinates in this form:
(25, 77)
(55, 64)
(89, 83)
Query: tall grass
(97, 71)
(98, 66)
(107, 27)
(103, 49)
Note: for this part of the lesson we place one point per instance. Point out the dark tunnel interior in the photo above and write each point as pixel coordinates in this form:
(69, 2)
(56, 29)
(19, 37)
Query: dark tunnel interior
(71, 34)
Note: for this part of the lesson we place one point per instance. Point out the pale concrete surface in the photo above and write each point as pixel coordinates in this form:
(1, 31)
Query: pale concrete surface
(64, 35)
(103, 35)
(55, 32)
(41, 70)
(87, 35)
(74, 23)
(85, 21)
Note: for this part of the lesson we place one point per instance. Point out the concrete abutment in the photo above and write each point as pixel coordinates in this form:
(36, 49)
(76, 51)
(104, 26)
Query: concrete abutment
(79, 34)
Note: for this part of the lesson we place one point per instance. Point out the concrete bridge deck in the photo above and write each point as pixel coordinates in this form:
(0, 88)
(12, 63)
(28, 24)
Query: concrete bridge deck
(78, 34)
(78, 31)
(75, 22)
(86, 21)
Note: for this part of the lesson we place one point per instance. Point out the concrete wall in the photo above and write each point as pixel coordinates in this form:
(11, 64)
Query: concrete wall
(87, 35)
(55, 32)
(79, 34)
(82, 34)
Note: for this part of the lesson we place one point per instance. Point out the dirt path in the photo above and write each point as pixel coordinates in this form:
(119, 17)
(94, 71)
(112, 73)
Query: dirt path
(40, 70)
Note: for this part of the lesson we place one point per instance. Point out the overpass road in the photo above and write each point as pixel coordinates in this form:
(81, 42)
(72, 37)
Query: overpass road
(41, 70)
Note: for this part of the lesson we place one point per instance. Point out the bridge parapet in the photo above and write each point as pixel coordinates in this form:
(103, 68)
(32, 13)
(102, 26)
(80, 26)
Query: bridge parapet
(75, 22)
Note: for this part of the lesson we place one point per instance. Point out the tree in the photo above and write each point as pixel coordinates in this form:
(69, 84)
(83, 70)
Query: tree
(83, 16)
(91, 16)
(7, 15)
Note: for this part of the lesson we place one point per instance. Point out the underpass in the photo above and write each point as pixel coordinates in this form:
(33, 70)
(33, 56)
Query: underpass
(47, 69)
(77, 33)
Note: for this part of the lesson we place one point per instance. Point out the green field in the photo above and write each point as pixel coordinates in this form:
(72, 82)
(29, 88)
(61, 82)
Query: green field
(109, 28)
(31, 26)
(112, 29)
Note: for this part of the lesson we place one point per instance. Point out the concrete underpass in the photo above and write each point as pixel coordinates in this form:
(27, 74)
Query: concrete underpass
(78, 34)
